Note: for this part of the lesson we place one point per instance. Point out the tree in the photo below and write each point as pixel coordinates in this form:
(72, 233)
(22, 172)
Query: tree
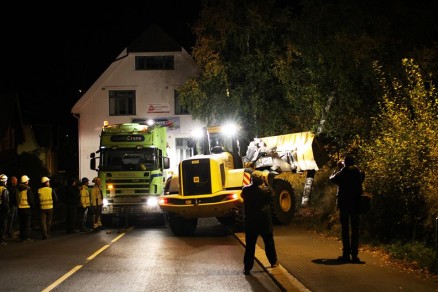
(237, 42)
(401, 153)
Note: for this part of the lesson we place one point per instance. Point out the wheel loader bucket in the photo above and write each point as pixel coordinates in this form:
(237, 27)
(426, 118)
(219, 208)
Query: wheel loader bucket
(307, 153)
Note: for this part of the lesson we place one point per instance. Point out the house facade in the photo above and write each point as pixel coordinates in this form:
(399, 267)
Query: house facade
(139, 85)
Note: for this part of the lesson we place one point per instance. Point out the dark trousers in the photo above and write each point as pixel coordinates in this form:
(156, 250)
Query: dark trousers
(11, 220)
(25, 215)
(83, 215)
(46, 221)
(3, 224)
(350, 244)
(251, 241)
(97, 215)
(70, 219)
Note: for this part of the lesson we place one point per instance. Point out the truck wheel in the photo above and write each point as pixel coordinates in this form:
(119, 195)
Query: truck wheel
(283, 204)
(107, 220)
(181, 226)
(160, 220)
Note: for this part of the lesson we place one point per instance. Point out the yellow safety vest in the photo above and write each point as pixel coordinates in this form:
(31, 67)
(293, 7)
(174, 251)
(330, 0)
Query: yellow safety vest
(85, 197)
(96, 196)
(46, 200)
(1, 191)
(22, 200)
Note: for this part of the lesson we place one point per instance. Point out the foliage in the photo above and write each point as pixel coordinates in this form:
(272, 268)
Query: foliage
(237, 43)
(401, 155)
(284, 66)
(417, 254)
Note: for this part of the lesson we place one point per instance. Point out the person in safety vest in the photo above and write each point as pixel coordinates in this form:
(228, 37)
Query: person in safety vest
(47, 197)
(84, 204)
(4, 208)
(25, 204)
(97, 203)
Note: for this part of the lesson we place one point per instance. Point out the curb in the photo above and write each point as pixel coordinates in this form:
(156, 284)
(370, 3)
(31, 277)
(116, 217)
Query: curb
(284, 280)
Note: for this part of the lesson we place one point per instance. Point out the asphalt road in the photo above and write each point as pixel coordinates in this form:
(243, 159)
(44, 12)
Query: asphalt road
(308, 263)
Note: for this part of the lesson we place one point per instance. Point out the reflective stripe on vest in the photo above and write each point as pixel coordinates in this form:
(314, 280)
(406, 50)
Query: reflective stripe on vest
(22, 200)
(46, 201)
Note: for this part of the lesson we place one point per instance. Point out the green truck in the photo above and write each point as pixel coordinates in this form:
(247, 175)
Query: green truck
(131, 163)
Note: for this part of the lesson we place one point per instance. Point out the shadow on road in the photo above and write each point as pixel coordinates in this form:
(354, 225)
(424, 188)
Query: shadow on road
(333, 262)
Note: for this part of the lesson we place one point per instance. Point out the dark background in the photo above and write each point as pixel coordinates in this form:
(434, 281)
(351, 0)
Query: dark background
(53, 53)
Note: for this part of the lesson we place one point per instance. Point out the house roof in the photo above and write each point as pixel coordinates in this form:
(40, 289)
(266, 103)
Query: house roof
(154, 39)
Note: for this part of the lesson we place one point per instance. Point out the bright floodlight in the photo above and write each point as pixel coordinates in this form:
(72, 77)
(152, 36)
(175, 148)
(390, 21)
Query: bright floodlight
(197, 133)
(229, 129)
(150, 122)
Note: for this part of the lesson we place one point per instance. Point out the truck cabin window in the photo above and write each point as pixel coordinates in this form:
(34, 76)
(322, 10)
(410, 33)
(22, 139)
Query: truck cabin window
(129, 159)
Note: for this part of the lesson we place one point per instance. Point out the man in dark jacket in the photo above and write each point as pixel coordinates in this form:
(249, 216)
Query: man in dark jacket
(4, 208)
(349, 180)
(71, 193)
(258, 221)
(12, 217)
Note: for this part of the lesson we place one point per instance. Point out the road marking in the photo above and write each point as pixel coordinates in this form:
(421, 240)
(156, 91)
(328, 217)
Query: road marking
(60, 280)
(78, 267)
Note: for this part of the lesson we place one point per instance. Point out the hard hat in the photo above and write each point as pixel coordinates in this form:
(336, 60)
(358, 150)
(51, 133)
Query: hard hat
(85, 180)
(45, 179)
(95, 179)
(24, 178)
(3, 177)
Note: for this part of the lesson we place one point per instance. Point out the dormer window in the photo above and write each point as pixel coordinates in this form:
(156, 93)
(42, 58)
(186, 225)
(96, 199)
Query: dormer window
(154, 63)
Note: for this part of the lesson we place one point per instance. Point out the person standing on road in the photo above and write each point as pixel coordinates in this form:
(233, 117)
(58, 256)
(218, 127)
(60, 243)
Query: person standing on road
(349, 180)
(25, 204)
(97, 203)
(12, 189)
(258, 221)
(4, 208)
(84, 204)
(47, 197)
(71, 203)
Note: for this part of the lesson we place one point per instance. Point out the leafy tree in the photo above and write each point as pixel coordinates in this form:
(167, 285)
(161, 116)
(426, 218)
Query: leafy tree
(401, 154)
(237, 42)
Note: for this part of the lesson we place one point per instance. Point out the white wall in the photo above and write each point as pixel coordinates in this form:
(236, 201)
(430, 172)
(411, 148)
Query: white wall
(151, 86)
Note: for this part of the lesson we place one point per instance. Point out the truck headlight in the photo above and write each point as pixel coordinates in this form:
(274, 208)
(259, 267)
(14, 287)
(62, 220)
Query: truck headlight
(152, 202)
(105, 202)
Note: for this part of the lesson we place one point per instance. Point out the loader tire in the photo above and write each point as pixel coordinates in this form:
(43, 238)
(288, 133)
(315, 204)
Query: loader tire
(283, 203)
(181, 226)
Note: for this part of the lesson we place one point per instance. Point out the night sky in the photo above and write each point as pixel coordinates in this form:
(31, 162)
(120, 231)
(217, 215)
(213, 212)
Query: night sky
(50, 52)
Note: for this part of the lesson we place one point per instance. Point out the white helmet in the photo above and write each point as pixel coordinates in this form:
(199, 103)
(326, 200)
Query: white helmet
(3, 178)
(45, 179)
(24, 178)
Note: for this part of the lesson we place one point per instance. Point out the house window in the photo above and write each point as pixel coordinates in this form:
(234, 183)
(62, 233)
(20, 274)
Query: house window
(154, 63)
(121, 102)
(179, 109)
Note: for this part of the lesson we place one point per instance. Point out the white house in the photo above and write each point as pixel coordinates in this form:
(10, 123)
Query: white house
(139, 85)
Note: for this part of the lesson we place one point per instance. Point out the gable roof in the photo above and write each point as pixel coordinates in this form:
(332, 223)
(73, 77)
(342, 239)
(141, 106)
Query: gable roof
(154, 39)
